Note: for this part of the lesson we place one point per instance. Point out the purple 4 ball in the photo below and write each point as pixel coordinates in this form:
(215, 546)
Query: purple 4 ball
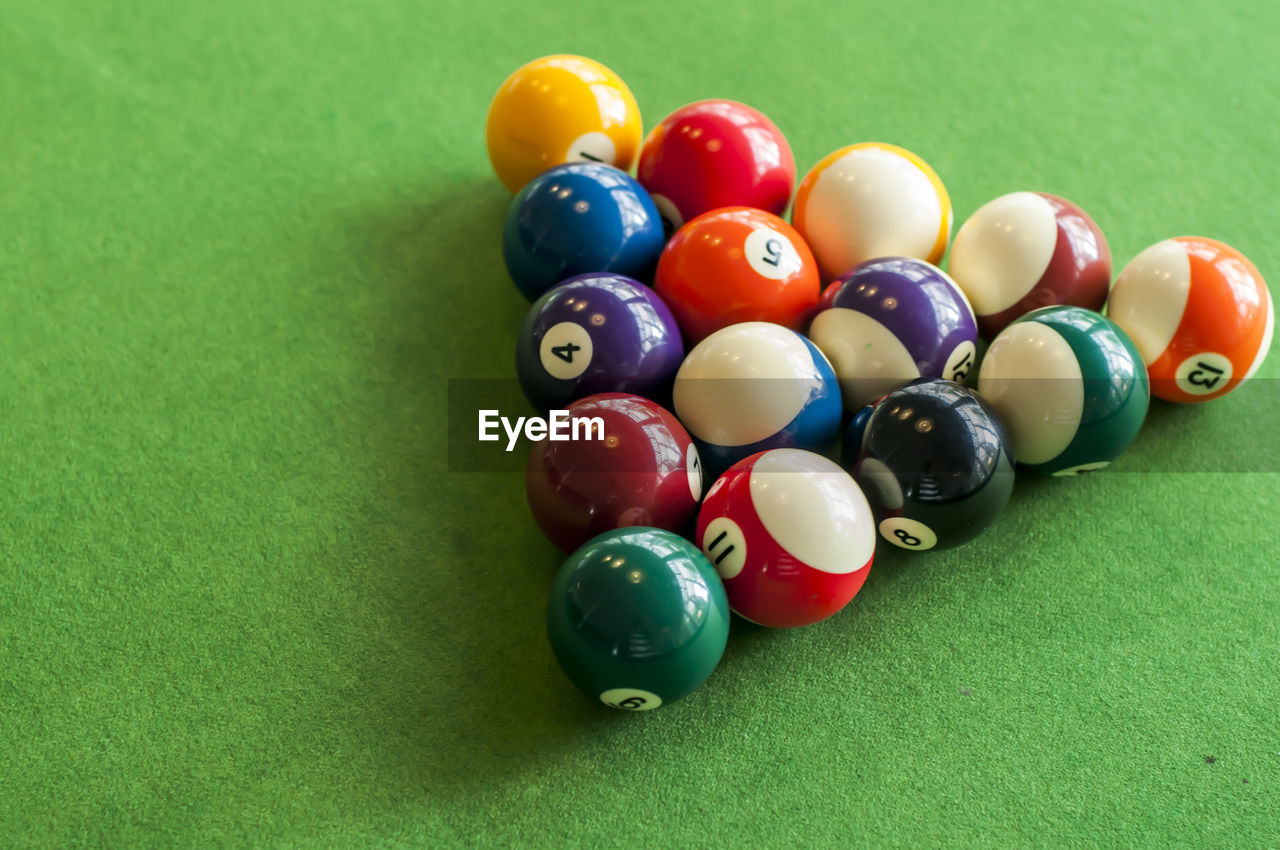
(597, 333)
(892, 320)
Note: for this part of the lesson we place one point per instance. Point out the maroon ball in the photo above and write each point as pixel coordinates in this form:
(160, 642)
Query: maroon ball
(628, 462)
(1028, 250)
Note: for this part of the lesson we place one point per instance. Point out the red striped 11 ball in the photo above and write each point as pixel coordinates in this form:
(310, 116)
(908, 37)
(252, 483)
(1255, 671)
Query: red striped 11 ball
(790, 534)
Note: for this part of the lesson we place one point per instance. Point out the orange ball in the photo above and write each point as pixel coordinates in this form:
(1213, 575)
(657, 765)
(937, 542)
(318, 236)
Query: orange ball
(560, 109)
(733, 265)
(1200, 314)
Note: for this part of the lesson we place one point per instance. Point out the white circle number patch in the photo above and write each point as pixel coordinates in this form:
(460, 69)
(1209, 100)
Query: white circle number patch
(771, 254)
(908, 533)
(566, 350)
(693, 466)
(592, 147)
(630, 699)
(669, 212)
(1081, 469)
(960, 363)
(724, 543)
(1202, 374)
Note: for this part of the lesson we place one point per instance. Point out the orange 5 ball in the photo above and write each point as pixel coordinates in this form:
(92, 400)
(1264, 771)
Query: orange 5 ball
(1200, 314)
(736, 264)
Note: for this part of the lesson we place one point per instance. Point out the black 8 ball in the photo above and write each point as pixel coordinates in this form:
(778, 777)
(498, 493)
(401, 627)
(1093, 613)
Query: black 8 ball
(933, 459)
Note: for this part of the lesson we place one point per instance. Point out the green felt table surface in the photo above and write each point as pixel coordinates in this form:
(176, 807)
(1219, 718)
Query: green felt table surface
(245, 599)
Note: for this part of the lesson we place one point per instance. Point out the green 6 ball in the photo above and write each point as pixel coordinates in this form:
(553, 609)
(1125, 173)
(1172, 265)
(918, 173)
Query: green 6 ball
(638, 617)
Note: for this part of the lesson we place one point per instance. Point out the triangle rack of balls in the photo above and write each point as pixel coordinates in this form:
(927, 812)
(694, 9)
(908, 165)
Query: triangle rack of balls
(753, 404)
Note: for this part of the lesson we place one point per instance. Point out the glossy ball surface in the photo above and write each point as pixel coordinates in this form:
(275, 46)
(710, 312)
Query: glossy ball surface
(560, 109)
(791, 535)
(827, 299)
(712, 154)
(895, 319)
(872, 200)
(933, 459)
(736, 265)
(575, 219)
(637, 618)
(1070, 387)
(752, 387)
(597, 333)
(1199, 312)
(638, 467)
(1028, 250)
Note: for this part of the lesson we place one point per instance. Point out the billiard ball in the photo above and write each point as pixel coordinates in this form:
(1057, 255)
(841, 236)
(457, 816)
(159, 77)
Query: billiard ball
(872, 200)
(1199, 312)
(895, 319)
(828, 296)
(560, 109)
(597, 333)
(756, 386)
(637, 618)
(579, 218)
(627, 462)
(736, 265)
(933, 459)
(1070, 387)
(790, 534)
(712, 154)
(1028, 250)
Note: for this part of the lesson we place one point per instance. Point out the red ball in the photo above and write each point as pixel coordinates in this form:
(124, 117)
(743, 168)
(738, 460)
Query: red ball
(736, 265)
(827, 299)
(636, 466)
(716, 153)
(791, 535)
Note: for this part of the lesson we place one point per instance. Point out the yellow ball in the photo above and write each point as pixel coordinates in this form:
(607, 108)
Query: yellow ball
(872, 200)
(560, 109)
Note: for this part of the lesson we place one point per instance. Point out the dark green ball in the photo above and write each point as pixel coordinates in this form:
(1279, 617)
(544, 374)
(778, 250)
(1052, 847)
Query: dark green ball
(1070, 386)
(637, 618)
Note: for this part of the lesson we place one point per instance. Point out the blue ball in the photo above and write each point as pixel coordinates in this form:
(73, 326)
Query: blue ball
(756, 386)
(578, 218)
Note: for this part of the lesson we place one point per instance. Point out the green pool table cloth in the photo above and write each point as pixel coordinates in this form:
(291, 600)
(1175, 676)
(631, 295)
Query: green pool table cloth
(254, 593)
